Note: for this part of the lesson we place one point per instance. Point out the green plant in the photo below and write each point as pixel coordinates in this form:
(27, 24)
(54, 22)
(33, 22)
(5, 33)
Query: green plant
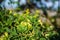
(24, 26)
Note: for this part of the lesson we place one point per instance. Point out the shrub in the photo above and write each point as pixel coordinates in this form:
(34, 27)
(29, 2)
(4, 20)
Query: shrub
(14, 26)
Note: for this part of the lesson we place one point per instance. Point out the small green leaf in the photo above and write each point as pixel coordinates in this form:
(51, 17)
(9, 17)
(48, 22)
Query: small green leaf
(42, 39)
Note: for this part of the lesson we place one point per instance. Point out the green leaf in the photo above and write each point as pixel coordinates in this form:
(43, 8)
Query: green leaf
(42, 39)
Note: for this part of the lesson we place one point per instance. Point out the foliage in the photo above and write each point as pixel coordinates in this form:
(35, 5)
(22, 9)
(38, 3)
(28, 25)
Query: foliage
(14, 26)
